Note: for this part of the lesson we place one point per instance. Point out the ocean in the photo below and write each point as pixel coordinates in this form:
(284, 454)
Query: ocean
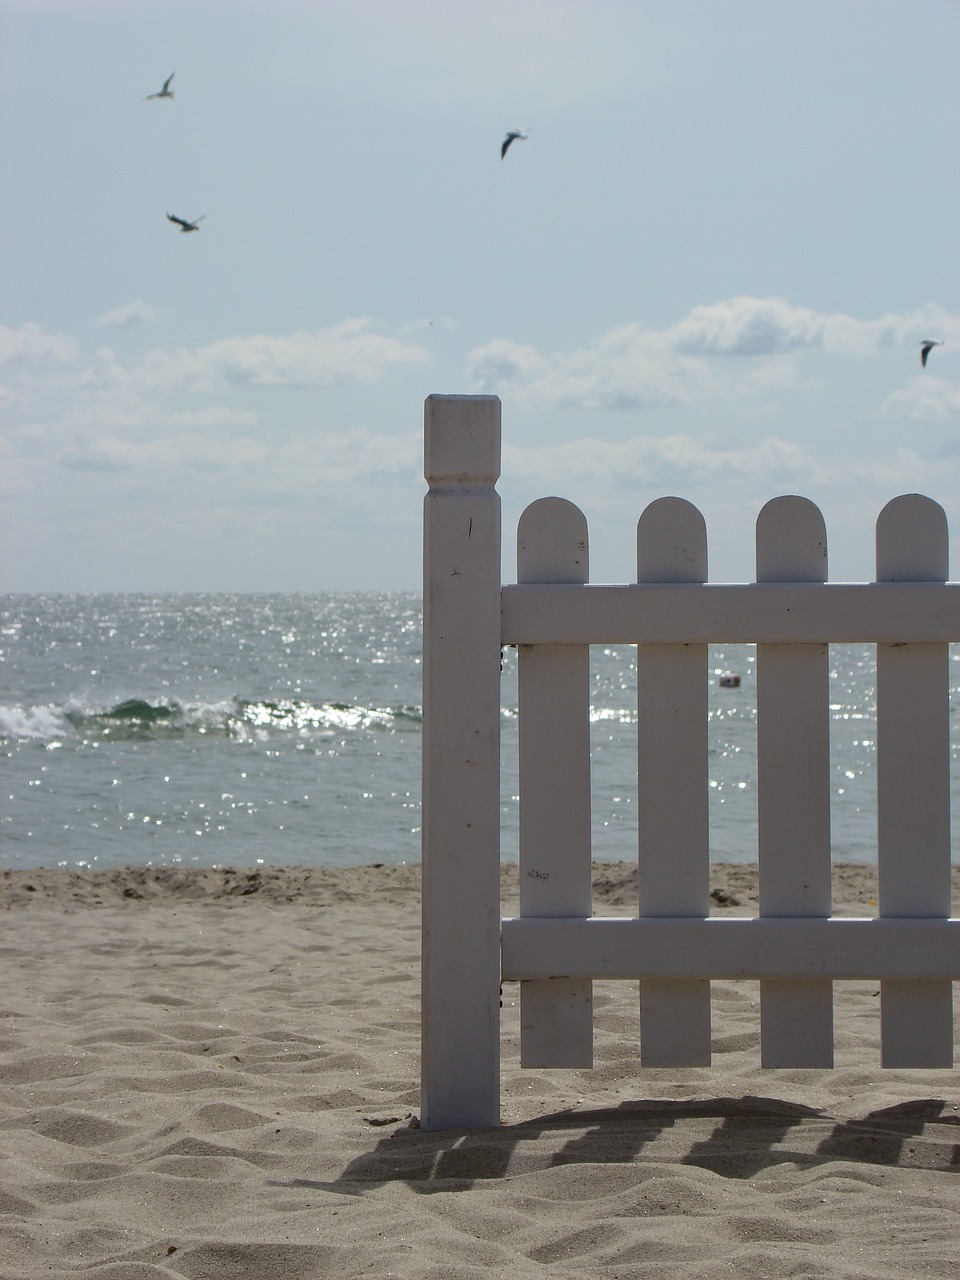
(246, 730)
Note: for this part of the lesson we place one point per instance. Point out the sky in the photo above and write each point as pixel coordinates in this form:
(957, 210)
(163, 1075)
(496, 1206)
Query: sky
(705, 272)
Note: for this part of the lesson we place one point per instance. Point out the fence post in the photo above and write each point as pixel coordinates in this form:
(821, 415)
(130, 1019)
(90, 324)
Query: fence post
(460, 980)
(913, 784)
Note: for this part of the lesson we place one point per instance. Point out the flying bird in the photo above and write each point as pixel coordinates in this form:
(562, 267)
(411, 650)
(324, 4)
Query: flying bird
(184, 225)
(927, 346)
(512, 136)
(165, 92)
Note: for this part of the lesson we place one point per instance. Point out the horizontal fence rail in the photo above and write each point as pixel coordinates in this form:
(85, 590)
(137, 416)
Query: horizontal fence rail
(727, 613)
(753, 948)
(795, 948)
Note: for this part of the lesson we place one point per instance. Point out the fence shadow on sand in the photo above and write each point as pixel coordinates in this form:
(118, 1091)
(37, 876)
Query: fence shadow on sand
(731, 1137)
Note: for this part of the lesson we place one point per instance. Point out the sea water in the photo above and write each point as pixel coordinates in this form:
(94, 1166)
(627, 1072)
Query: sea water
(267, 729)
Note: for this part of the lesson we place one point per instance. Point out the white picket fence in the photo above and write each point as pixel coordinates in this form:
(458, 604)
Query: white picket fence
(555, 948)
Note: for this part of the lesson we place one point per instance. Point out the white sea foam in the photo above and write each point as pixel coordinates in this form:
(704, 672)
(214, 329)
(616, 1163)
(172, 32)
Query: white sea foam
(42, 724)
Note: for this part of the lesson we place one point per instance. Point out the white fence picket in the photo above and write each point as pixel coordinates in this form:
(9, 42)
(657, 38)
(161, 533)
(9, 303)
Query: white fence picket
(913, 784)
(673, 805)
(556, 1017)
(793, 779)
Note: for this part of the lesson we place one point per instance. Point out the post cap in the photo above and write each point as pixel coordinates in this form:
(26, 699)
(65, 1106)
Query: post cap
(462, 440)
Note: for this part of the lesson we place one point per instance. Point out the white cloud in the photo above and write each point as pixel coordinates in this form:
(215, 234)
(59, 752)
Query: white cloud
(174, 414)
(304, 461)
(502, 361)
(31, 345)
(347, 352)
(215, 415)
(622, 369)
(745, 326)
(627, 368)
(127, 316)
(925, 398)
(641, 462)
(600, 471)
(348, 462)
(105, 454)
(173, 454)
(632, 367)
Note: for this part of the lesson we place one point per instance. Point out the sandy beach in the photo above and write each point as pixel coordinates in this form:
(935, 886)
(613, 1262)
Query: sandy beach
(214, 1074)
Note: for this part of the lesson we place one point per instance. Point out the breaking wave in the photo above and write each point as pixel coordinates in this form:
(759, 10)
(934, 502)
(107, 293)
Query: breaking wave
(240, 718)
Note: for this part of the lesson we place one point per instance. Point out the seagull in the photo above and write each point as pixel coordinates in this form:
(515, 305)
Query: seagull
(927, 346)
(511, 137)
(165, 92)
(184, 225)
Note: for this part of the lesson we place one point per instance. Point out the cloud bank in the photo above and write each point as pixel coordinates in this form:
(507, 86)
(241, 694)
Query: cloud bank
(347, 352)
(275, 428)
(736, 349)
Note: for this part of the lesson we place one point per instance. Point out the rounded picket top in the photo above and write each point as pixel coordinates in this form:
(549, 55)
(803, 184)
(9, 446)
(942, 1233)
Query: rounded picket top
(791, 541)
(552, 543)
(913, 542)
(671, 542)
